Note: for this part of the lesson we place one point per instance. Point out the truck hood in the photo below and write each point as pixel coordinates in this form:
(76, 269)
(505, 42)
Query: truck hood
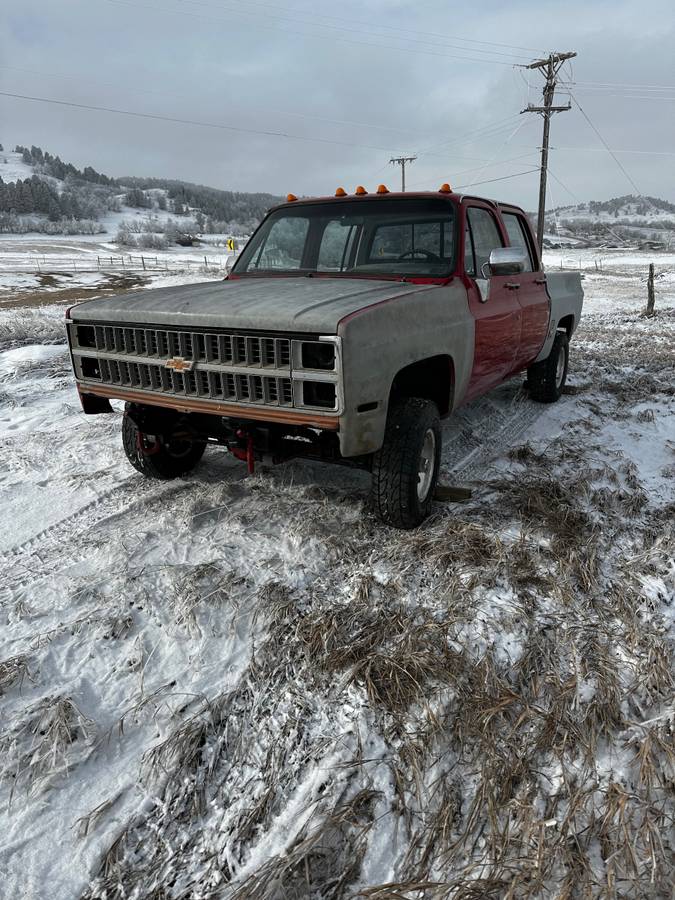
(313, 305)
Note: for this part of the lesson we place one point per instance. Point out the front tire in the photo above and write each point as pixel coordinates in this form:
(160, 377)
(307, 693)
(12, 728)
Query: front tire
(159, 457)
(546, 379)
(405, 469)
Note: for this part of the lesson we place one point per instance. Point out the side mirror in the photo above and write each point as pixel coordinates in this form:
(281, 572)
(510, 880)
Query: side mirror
(505, 261)
(229, 263)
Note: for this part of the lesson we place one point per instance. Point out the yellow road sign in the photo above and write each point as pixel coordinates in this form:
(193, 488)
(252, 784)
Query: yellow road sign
(229, 243)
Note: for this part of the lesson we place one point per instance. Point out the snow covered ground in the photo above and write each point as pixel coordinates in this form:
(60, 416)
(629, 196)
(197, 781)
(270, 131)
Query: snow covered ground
(238, 687)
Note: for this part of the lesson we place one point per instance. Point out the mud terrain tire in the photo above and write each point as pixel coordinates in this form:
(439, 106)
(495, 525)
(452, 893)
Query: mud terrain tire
(170, 460)
(405, 469)
(546, 379)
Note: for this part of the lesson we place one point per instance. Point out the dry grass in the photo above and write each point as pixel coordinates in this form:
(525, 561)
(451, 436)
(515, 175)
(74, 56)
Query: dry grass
(13, 670)
(44, 741)
(488, 698)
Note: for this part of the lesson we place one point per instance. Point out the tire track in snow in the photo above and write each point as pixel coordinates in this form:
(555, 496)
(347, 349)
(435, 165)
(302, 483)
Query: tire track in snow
(485, 430)
(58, 539)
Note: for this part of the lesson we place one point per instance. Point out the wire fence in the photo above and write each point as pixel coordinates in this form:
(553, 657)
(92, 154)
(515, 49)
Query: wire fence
(40, 264)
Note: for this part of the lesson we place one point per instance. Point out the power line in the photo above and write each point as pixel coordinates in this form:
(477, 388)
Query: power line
(399, 49)
(303, 21)
(483, 132)
(81, 78)
(453, 37)
(201, 124)
(491, 180)
(614, 84)
(490, 165)
(613, 150)
(608, 148)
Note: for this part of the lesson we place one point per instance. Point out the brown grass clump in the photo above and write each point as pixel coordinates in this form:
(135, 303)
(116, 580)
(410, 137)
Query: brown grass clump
(322, 861)
(13, 670)
(40, 743)
(393, 655)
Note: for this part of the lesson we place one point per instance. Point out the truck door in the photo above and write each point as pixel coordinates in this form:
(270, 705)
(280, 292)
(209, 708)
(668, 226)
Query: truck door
(532, 294)
(493, 303)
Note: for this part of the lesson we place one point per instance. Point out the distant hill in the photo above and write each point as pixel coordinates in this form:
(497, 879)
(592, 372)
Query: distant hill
(40, 192)
(621, 221)
(212, 202)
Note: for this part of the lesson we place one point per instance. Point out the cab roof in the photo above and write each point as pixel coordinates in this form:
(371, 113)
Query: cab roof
(450, 196)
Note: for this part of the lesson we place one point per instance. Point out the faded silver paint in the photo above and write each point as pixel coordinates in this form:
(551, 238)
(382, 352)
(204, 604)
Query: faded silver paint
(381, 340)
(306, 305)
(567, 297)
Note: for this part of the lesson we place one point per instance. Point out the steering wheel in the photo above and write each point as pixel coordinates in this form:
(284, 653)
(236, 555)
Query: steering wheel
(427, 254)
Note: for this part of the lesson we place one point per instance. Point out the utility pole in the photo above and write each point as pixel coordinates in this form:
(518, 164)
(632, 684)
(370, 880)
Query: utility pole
(401, 161)
(549, 67)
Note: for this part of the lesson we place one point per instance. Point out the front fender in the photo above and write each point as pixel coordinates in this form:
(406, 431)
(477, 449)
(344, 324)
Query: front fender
(380, 340)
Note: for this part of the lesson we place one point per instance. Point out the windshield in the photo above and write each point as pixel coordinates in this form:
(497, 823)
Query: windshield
(413, 237)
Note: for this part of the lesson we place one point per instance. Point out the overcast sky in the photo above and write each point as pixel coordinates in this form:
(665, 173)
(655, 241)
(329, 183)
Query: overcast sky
(376, 77)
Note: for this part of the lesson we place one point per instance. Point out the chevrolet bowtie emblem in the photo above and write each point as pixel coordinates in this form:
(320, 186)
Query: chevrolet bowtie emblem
(178, 364)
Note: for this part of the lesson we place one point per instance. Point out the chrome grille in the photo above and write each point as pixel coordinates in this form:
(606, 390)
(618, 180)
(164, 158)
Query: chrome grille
(223, 349)
(237, 387)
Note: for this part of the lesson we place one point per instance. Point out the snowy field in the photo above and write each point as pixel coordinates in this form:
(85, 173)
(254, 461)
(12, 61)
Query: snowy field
(245, 687)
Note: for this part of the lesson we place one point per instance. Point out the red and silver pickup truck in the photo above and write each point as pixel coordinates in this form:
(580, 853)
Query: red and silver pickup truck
(347, 329)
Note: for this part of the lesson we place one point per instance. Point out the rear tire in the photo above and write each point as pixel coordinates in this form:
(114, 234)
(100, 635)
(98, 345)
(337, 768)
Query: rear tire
(168, 459)
(405, 469)
(546, 379)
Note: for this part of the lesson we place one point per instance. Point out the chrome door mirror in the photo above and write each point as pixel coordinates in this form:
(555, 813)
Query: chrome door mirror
(505, 261)
(229, 263)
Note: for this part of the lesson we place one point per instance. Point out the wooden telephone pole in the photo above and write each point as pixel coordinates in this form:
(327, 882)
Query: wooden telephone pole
(401, 161)
(549, 67)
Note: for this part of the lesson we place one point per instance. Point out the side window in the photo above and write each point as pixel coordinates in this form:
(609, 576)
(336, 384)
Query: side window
(485, 233)
(515, 228)
(469, 263)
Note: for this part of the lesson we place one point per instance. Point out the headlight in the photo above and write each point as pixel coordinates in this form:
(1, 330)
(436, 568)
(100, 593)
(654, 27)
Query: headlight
(315, 370)
(86, 335)
(317, 355)
(321, 394)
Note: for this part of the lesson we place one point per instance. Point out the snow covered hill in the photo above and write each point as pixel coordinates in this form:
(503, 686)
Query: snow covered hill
(12, 167)
(639, 221)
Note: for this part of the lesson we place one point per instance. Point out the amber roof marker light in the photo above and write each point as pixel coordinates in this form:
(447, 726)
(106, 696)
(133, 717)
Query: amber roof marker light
(360, 191)
(340, 192)
(445, 188)
(382, 189)
(290, 198)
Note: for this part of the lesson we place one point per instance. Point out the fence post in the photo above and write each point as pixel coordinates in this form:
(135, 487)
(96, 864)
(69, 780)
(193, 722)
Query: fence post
(650, 291)
(143, 261)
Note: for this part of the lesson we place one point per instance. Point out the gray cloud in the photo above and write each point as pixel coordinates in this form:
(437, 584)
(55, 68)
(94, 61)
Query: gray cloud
(261, 67)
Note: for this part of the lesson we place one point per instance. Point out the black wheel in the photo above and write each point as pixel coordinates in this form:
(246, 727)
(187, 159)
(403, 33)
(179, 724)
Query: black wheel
(159, 458)
(405, 469)
(546, 379)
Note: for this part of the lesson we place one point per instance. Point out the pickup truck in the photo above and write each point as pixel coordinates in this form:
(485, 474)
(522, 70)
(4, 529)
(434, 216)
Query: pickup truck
(348, 327)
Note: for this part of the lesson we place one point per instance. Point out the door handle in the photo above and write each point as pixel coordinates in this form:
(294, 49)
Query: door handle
(540, 281)
(512, 285)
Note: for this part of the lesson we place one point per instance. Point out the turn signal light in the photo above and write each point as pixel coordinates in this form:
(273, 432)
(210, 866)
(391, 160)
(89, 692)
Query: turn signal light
(291, 197)
(340, 192)
(445, 189)
(360, 191)
(382, 189)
